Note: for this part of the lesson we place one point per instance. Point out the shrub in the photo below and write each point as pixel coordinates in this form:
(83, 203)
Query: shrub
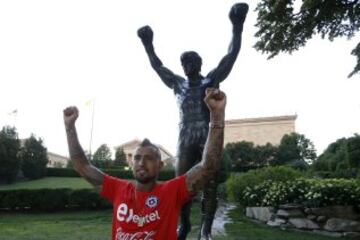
(51, 199)
(238, 182)
(116, 172)
(61, 172)
(85, 199)
(310, 192)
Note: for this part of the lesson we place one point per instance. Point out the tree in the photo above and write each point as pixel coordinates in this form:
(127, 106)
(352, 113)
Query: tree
(281, 29)
(102, 157)
(295, 150)
(225, 168)
(341, 157)
(34, 158)
(120, 157)
(240, 153)
(353, 149)
(9, 148)
(331, 157)
(245, 154)
(265, 154)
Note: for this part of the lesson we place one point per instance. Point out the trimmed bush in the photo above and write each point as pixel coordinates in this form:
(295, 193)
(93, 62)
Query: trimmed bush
(62, 198)
(85, 199)
(166, 175)
(51, 199)
(120, 173)
(61, 172)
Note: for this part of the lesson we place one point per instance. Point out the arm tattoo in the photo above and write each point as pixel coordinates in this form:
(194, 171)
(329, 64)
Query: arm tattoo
(81, 164)
(197, 176)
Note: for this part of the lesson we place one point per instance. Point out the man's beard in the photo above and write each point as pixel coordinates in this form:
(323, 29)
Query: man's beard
(145, 180)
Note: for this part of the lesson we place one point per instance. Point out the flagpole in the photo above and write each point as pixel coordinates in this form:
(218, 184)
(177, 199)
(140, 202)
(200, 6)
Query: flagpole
(13, 115)
(92, 127)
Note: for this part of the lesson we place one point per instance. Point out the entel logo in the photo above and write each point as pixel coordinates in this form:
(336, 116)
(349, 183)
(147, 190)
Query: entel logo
(127, 215)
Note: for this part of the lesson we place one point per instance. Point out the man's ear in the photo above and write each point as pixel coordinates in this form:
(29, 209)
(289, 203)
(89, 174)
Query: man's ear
(161, 165)
(130, 162)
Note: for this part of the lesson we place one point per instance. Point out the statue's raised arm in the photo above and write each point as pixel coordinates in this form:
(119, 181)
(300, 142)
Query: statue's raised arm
(167, 76)
(237, 17)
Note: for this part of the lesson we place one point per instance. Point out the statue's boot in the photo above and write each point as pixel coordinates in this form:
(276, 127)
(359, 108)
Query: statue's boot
(185, 225)
(205, 232)
(208, 208)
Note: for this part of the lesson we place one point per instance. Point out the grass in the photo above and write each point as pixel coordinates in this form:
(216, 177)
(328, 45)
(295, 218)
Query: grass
(49, 182)
(89, 225)
(94, 225)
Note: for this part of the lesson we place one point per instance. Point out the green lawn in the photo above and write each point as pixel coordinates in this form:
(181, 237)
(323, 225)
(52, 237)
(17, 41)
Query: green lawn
(92, 225)
(49, 182)
(96, 225)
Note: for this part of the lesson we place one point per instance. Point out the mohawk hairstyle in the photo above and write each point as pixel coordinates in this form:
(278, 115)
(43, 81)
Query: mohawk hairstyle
(146, 143)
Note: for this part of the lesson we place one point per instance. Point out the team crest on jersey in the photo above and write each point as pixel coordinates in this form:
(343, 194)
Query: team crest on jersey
(151, 201)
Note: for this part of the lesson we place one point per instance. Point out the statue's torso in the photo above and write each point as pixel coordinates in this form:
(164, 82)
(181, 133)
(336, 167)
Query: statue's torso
(190, 100)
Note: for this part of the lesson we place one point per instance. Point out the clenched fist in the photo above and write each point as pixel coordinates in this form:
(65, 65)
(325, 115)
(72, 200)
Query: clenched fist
(70, 116)
(238, 13)
(215, 99)
(146, 34)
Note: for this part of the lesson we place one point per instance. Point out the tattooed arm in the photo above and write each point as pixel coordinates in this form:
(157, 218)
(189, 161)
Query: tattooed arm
(80, 162)
(198, 175)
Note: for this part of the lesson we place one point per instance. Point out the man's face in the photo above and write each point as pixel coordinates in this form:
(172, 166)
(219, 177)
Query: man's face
(146, 164)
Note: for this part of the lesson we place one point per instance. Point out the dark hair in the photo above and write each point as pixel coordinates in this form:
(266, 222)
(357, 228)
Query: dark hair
(146, 143)
(192, 57)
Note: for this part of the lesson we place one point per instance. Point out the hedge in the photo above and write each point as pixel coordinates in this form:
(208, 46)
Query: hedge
(51, 200)
(123, 174)
(309, 192)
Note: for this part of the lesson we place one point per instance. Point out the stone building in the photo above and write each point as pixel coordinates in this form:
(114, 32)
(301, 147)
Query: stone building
(259, 130)
(56, 160)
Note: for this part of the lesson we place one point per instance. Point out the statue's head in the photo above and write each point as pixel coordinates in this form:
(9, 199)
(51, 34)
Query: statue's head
(191, 63)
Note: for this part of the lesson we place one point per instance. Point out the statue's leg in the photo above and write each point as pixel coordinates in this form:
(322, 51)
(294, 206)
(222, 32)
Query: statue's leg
(190, 147)
(208, 208)
(185, 161)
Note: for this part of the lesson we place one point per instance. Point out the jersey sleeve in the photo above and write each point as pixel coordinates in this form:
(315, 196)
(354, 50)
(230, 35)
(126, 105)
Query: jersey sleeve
(111, 187)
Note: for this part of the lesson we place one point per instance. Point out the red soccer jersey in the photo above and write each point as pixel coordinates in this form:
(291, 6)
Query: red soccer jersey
(149, 215)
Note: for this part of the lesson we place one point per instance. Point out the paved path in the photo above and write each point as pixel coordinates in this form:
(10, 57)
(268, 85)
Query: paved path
(221, 218)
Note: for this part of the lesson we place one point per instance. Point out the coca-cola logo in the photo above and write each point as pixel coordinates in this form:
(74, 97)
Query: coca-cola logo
(145, 235)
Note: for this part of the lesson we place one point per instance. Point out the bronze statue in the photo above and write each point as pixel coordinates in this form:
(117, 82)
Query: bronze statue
(194, 115)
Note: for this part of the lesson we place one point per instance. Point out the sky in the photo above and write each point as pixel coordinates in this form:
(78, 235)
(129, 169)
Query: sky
(54, 54)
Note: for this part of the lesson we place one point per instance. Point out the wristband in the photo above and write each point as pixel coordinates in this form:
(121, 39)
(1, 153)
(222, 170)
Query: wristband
(217, 124)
